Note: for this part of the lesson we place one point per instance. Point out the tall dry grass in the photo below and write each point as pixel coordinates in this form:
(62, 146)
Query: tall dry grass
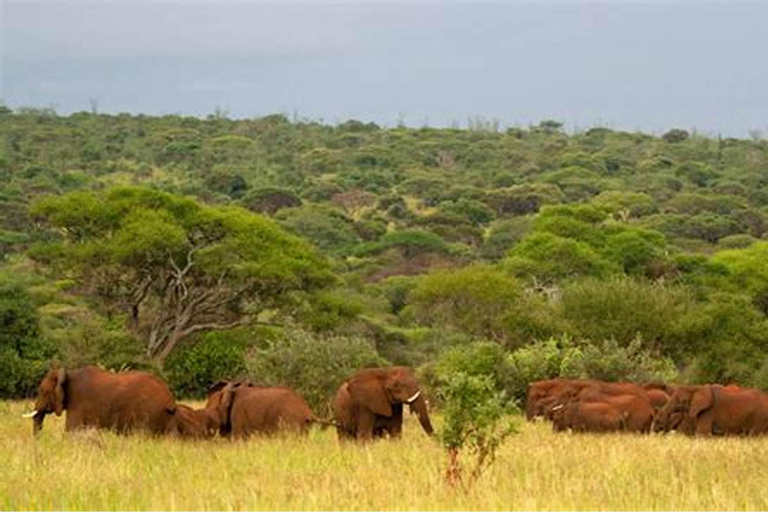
(535, 470)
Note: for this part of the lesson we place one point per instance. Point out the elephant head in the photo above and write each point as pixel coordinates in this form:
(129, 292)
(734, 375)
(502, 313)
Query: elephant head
(683, 408)
(195, 423)
(219, 405)
(378, 389)
(538, 392)
(51, 397)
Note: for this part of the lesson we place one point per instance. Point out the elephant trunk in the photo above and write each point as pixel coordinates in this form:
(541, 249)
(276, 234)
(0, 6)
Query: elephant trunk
(37, 422)
(419, 406)
(660, 422)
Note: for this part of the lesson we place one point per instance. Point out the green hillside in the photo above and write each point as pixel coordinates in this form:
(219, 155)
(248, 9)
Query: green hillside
(295, 251)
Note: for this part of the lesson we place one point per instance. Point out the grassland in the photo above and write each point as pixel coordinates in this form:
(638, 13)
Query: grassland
(535, 470)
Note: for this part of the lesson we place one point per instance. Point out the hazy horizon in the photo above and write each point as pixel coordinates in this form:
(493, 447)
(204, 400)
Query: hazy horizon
(647, 66)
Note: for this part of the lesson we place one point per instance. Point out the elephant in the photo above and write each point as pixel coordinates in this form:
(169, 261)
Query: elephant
(242, 409)
(370, 403)
(384, 426)
(715, 410)
(596, 411)
(92, 397)
(588, 417)
(194, 423)
(658, 394)
(564, 390)
(541, 393)
(658, 397)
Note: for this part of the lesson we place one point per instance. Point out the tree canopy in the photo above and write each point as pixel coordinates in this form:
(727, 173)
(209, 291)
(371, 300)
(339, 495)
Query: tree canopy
(172, 265)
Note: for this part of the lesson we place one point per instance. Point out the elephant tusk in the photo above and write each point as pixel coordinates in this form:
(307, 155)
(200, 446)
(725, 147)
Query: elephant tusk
(558, 407)
(414, 397)
(29, 414)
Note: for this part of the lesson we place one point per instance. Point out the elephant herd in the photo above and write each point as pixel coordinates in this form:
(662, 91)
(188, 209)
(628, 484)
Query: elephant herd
(585, 405)
(369, 404)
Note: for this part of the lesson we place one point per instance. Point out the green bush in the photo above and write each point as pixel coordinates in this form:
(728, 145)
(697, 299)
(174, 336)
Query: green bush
(482, 358)
(24, 352)
(611, 362)
(503, 235)
(623, 308)
(475, 418)
(396, 290)
(312, 364)
(329, 229)
(216, 355)
(409, 242)
(537, 361)
(565, 357)
(548, 257)
(475, 299)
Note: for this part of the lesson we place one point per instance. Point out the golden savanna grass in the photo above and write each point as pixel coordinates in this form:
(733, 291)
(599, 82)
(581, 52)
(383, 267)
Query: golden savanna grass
(535, 470)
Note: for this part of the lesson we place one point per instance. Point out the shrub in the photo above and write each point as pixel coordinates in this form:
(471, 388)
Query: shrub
(482, 358)
(24, 352)
(503, 235)
(475, 418)
(610, 362)
(470, 209)
(547, 256)
(675, 135)
(537, 361)
(410, 242)
(397, 290)
(565, 357)
(475, 299)
(327, 310)
(741, 241)
(622, 308)
(269, 200)
(327, 228)
(216, 355)
(313, 365)
(226, 181)
(626, 204)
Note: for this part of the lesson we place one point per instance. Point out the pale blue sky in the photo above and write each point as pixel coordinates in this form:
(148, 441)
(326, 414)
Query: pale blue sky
(628, 65)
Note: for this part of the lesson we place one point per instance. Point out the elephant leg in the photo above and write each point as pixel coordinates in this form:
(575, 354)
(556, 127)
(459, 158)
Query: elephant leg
(344, 434)
(704, 424)
(365, 423)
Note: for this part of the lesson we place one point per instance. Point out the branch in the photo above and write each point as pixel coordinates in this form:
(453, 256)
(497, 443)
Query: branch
(212, 325)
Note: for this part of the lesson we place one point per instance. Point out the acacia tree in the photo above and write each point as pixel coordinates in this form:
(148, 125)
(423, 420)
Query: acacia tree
(172, 265)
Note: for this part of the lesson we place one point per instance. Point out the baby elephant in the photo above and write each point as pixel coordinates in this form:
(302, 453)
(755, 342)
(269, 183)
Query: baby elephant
(243, 409)
(194, 423)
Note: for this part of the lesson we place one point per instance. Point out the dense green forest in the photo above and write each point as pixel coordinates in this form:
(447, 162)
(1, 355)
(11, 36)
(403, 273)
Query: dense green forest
(294, 251)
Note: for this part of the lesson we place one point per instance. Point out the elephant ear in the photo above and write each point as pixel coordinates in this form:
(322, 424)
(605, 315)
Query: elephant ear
(368, 390)
(58, 393)
(700, 401)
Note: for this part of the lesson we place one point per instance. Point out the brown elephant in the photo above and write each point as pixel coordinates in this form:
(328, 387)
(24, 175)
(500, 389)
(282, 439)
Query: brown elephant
(658, 397)
(93, 397)
(194, 423)
(714, 409)
(588, 417)
(585, 390)
(242, 409)
(384, 426)
(541, 394)
(658, 393)
(370, 403)
(602, 412)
